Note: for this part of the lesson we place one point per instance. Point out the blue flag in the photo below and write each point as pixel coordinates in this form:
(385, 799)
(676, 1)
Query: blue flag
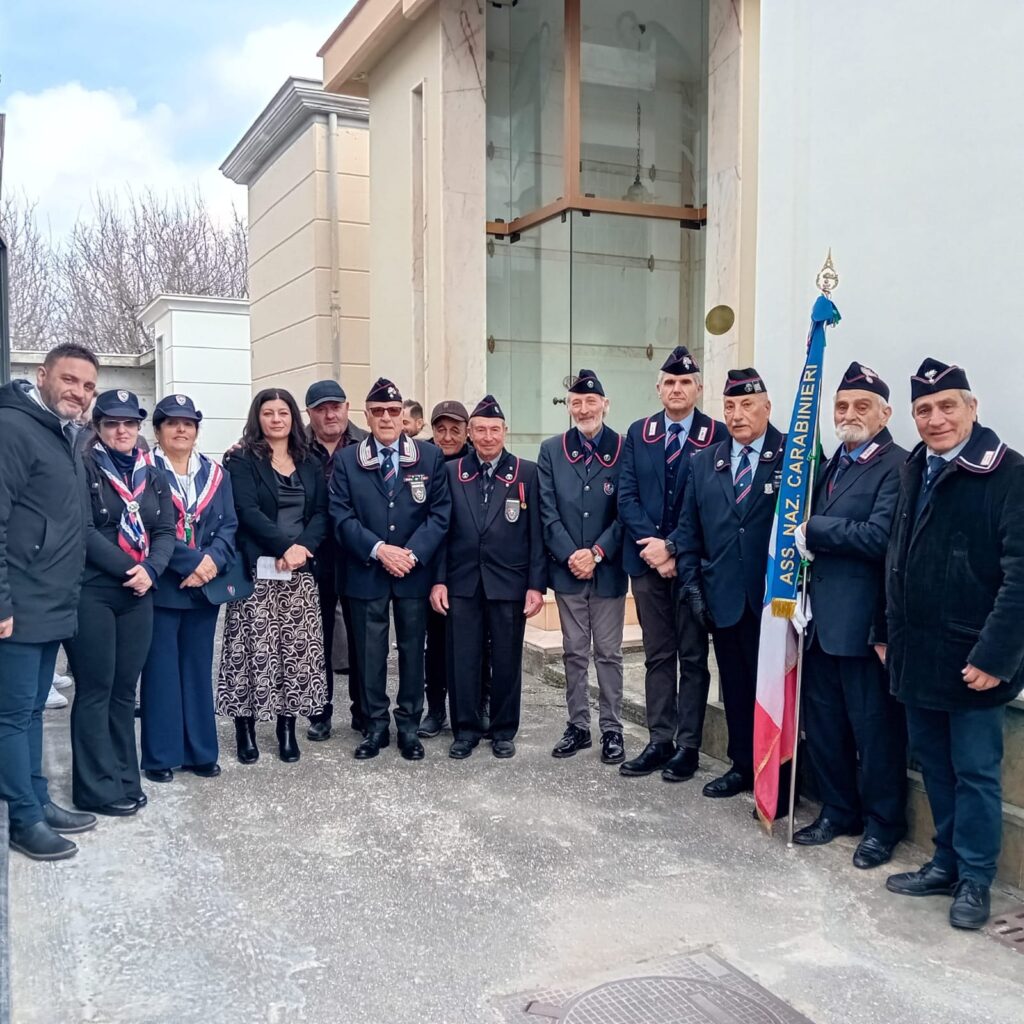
(801, 452)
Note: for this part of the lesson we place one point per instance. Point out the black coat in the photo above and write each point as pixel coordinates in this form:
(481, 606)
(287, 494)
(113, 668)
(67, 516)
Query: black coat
(579, 510)
(722, 547)
(42, 520)
(416, 516)
(955, 579)
(254, 486)
(848, 534)
(502, 547)
(106, 564)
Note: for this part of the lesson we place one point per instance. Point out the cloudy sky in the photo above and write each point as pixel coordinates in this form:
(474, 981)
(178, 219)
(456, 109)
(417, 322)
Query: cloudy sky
(104, 94)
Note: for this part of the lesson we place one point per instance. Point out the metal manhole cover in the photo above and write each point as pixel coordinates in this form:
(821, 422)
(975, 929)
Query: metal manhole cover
(1008, 928)
(665, 1000)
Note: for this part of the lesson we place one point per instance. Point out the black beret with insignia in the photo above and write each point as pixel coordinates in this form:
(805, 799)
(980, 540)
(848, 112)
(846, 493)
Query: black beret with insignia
(743, 382)
(680, 362)
(933, 376)
(384, 391)
(488, 408)
(859, 377)
(586, 383)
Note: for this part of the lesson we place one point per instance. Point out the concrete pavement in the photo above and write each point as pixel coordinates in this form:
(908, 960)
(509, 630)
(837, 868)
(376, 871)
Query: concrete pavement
(333, 891)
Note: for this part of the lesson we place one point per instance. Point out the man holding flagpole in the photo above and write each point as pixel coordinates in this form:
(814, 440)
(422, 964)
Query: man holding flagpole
(724, 530)
(856, 735)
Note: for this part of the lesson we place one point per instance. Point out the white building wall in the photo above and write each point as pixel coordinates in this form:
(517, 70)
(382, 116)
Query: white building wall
(894, 133)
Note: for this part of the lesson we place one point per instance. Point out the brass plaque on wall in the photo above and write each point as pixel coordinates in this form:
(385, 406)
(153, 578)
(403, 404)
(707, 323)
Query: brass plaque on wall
(719, 319)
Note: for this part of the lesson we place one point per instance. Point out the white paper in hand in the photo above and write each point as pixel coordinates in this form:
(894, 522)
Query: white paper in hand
(266, 569)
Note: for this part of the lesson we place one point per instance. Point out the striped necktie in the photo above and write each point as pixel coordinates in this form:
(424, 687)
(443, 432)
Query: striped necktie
(744, 475)
(387, 469)
(588, 453)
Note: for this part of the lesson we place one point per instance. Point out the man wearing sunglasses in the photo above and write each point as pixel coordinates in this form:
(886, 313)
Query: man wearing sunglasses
(390, 507)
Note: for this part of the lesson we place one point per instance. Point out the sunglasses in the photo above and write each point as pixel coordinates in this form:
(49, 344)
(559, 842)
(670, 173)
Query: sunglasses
(378, 412)
(115, 424)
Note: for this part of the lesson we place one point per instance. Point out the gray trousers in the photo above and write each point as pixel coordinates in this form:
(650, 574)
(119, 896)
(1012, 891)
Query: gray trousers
(585, 617)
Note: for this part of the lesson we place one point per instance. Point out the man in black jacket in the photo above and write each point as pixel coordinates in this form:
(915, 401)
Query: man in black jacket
(490, 579)
(856, 737)
(952, 626)
(42, 552)
(330, 431)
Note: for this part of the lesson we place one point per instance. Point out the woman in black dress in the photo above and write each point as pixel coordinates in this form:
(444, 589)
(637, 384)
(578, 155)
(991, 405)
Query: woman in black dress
(272, 660)
(127, 549)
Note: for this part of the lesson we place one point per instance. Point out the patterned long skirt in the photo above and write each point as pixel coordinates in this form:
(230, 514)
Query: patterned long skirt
(272, 660)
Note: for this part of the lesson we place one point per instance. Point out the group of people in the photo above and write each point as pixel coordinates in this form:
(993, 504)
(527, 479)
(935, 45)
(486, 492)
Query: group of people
(308, 534)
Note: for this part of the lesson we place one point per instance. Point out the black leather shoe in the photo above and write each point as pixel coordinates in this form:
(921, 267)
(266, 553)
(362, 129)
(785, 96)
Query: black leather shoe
(205, 771)
(461, 749)
(503, 748)
(432, 725)
(245, 739)
(929, 880)
(319, 730)
(371, 746)
(140, 801)
(115, 809)
(61, 820)
(730, 784)
(872, 853)
(652, 757)
(822, 831)
(613, 750)
(40, 842)
(410, 748)
(684, 764)
(287, 748)
(159, 774)
(971, 905)
(574, 738)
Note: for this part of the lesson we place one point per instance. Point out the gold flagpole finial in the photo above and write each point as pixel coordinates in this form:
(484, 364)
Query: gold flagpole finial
(827, 280)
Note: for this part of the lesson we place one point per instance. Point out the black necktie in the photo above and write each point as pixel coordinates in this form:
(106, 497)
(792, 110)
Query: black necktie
(744, 475)
(486, 483)
(845, 462)
(387, 469)
(936, 464)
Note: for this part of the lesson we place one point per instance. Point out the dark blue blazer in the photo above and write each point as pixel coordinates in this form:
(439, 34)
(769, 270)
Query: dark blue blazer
(723, 547)
(848, 533)
(416, 517)
(580, 510)
(642, 480)
(215, 536)
(502, 547)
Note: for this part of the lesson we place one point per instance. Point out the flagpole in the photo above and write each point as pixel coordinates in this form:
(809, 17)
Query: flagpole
(827, 280)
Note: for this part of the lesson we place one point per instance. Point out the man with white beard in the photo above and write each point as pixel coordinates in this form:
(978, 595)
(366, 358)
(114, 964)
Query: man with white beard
(849, 715)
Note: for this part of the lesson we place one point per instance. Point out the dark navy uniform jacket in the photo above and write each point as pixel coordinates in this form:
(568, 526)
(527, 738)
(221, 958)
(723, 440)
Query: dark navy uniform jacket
(416, 517)
(579, 509)
(848, 534)
(722, 546)
(642, 480)
(214, 536)
(501, 547)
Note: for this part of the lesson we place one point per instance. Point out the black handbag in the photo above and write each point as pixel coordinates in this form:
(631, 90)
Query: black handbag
(231, 585)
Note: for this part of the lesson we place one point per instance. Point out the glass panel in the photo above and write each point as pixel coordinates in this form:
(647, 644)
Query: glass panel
(528, 288)
(643, 94)
(525, 83)
(637, 292)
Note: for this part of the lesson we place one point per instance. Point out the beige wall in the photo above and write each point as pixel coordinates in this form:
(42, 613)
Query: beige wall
(290, 265)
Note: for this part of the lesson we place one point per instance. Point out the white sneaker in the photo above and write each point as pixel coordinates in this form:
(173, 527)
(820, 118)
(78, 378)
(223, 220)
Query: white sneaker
(61, 682)
(56, 700)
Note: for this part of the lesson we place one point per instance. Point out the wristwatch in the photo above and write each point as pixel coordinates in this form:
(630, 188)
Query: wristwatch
(598, 556)
(670, 547)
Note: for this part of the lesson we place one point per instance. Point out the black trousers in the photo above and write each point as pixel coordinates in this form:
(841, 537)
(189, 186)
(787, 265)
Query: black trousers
(437, 661)
(736, 654)
(856, 741)
(371, 632)
(471, 621)
(328, 615)
(676, 697)
(106, 657)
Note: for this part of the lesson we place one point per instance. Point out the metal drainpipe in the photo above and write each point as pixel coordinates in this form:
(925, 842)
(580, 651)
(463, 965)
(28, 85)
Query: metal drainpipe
(332, 218)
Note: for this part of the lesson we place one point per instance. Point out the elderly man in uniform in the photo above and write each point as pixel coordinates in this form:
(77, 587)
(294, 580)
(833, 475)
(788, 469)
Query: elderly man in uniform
(856, 735)
(449, 423)
(390, 506)
(330, 430)
(952, 626)
(724, 531)
(490, 580)
(578, 473)
(655, 467)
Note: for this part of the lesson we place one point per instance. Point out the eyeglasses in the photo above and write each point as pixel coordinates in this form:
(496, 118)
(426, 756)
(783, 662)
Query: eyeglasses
(116, 424)
(380, 411)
